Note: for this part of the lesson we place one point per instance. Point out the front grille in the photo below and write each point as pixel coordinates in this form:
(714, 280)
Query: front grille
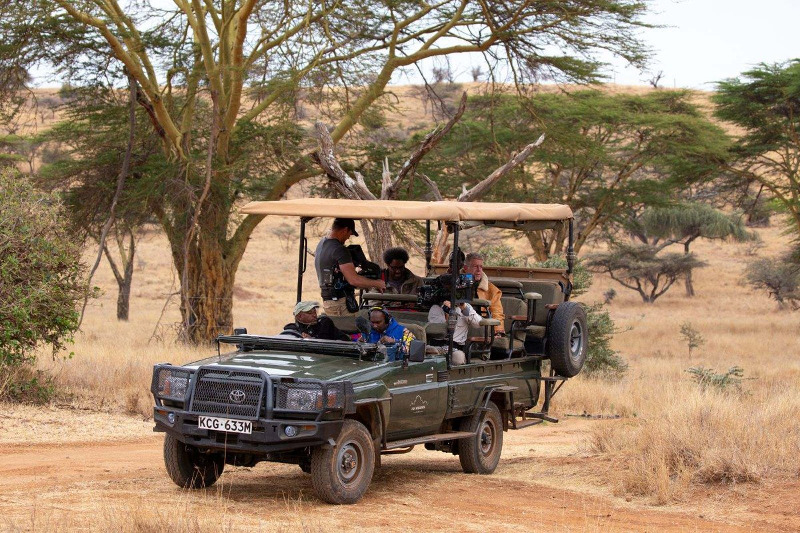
(227, 392)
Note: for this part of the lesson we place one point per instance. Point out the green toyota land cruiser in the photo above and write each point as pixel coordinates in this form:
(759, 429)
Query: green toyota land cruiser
(334, 407)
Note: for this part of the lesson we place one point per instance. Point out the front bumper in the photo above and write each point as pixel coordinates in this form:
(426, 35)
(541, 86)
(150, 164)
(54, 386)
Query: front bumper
(268, 435)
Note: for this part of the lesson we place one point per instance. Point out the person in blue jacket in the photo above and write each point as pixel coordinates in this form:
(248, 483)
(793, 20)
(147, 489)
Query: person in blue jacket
(386, 330)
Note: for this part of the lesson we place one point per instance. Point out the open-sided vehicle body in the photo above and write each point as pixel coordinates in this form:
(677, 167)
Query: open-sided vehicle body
(334, 407)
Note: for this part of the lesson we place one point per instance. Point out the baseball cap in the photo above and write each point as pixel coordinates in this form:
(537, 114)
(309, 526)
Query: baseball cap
(348, 223)
(304, 306)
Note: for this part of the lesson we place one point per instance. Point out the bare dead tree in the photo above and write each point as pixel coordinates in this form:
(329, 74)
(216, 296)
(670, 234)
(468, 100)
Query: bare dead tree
(378, 233)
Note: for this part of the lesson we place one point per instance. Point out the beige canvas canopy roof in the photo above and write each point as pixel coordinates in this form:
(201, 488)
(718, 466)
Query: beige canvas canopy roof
(448, 211)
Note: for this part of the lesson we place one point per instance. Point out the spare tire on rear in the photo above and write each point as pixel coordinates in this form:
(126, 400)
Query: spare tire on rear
(567, 339)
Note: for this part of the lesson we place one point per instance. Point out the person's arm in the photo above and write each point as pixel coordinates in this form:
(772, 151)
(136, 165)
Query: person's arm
(470, 315)
(354, 279)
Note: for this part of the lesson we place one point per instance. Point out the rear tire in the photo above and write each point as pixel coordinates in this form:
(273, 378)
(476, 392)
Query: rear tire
(480, 453)
(341, 474)
(188, 467)
(567, 339)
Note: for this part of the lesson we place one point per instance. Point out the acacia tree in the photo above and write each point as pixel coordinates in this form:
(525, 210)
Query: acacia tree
(642, 268)
(765, 103)
(687, 222)
(215, 77)
(604, 154)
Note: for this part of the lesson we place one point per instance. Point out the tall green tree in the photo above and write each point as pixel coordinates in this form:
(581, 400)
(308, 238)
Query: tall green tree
(764, 103)
(604, 154)
(216, 76)
(685, 223)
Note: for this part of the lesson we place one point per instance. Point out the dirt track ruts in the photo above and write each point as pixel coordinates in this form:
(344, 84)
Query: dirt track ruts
(90, 485)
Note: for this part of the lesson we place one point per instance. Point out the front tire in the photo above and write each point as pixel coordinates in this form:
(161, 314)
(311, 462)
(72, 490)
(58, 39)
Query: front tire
(188, 467)
(342, 473)
(480, 453)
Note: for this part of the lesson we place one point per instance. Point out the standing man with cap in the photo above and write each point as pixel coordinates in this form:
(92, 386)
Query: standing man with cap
(331, 260)
(310, 326)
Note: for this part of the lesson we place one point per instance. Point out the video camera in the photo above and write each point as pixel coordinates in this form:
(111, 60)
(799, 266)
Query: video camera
(438, 290)
(365, 268)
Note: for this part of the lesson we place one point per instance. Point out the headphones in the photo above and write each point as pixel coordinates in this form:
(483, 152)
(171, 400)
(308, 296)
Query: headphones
(386, 313)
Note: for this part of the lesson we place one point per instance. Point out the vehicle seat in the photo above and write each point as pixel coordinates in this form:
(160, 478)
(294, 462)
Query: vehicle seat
(551, 294)
(347, 323)
(418, 330)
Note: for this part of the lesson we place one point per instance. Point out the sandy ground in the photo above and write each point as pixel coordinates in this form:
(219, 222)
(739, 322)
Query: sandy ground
(117, 482)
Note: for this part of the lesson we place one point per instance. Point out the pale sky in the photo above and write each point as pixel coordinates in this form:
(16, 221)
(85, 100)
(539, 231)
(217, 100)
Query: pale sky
(703, 41)
(710, 40)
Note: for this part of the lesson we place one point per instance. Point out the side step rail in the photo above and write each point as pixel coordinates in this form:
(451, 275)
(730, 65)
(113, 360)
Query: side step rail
(405, 443)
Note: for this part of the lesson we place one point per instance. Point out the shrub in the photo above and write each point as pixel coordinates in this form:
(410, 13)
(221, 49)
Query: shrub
(781, 279)
(707, 378)
(41, 284)
(691, 336)
(601, 360)
(502, 255)
(581, 277)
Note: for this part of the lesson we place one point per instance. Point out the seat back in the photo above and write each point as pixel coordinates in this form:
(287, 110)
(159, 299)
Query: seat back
(551, 294)
(347, 323)
(513, 306)
(418, 330)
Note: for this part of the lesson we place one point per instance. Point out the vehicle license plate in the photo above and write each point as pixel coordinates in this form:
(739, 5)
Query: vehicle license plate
(225, 424)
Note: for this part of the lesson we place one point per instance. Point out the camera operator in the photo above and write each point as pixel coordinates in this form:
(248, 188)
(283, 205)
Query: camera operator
(332, 259)
(465, 317)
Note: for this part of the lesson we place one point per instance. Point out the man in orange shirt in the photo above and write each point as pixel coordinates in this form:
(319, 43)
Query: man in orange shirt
(473, 264)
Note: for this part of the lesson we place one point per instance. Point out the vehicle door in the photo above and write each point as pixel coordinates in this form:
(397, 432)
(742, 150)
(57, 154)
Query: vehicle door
(419, 399)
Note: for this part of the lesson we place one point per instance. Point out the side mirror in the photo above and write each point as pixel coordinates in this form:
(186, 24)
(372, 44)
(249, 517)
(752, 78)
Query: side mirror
(416, 353)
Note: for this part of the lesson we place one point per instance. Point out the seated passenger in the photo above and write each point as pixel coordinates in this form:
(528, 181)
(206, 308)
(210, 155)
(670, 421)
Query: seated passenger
(386, 330)
(473, 264)
(399, 279)
(310, 326)
(466, 316)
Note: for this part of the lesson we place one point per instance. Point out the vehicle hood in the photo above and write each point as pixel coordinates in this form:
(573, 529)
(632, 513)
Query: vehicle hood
(297, 365)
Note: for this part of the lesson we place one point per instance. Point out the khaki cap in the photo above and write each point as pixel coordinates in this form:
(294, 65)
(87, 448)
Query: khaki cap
(305, 306)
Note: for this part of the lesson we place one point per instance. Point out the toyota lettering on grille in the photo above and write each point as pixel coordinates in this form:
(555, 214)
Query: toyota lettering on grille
(237, 396)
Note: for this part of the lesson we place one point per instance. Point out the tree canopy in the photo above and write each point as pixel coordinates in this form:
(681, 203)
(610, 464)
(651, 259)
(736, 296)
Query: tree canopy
(219, 80)
(604, 154)
(765, 103)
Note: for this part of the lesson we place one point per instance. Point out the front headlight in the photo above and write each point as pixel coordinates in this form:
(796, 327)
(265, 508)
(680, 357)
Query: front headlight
(303, 399)
(303, 396)
(172, 384)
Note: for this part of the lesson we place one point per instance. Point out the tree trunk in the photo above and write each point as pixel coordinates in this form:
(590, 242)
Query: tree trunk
(689, 285)
(124, 295)
(207, 301)
(124, 299)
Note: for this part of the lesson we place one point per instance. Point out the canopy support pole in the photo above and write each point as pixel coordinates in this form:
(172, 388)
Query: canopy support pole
(455, 268)
(302, 258)
(428, 248)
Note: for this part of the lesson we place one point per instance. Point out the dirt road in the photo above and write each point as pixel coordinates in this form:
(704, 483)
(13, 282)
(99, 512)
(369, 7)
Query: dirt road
(544, 483)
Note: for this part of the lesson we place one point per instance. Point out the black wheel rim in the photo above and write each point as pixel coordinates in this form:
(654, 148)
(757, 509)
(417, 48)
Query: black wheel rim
(349, 462)
(486, 437)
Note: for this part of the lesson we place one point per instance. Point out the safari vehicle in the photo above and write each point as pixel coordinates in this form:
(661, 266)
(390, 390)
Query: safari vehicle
(335, 407)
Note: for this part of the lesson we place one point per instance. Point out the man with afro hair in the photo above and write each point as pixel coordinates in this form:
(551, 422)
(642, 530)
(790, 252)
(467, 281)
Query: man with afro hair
(399, 279)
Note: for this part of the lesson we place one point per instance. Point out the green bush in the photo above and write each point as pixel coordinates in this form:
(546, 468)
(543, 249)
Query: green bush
(601, 360)
(502, 255)
(724, 382)
(42, 281)
(581, 277)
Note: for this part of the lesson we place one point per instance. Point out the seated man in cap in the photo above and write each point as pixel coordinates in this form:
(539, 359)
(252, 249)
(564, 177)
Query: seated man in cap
(332, 259)
(310, 326)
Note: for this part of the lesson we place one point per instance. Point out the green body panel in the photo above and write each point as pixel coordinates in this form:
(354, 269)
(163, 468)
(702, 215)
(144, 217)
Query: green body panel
(420, 396)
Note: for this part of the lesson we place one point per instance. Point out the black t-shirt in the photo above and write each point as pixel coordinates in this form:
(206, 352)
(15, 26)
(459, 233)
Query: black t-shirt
(329, 255)
(323, 328)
